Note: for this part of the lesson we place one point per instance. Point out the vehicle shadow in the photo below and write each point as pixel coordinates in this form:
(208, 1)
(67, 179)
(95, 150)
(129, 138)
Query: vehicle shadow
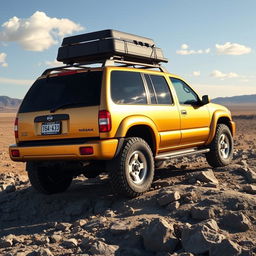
(26, 211)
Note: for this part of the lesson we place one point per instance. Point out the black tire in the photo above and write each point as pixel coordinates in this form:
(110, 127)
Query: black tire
(221, 147)
(132, 171)
(48, 179)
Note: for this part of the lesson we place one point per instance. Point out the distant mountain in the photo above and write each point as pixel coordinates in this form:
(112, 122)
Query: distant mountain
(9, 103)
(242, 99)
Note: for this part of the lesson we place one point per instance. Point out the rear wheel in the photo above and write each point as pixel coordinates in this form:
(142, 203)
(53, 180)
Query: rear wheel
(132, 172)
(48, 179)
(221, 148)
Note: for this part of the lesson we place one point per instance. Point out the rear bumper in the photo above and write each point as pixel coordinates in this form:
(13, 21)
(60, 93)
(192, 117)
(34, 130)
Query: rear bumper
(102, 150)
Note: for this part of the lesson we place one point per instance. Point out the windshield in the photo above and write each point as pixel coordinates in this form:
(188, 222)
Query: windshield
(82, 89)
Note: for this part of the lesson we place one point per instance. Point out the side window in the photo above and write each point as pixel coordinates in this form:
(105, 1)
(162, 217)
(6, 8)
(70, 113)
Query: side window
(127, 88)
(185, 94)
(162, 91)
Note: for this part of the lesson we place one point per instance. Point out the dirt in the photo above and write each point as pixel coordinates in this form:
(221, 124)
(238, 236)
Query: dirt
(219, 210)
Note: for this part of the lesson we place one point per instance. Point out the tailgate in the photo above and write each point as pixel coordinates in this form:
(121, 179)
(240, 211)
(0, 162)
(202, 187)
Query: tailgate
(69, 123)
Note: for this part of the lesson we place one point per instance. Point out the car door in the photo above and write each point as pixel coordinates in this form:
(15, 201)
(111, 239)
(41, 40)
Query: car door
(163, 111)
(195, 117)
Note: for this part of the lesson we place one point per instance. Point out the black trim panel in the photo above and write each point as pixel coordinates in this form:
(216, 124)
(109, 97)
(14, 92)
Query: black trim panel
(51, 118)
(57, 142)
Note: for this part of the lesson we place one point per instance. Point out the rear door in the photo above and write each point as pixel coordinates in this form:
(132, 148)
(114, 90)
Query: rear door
(195, 117)
(61, 106)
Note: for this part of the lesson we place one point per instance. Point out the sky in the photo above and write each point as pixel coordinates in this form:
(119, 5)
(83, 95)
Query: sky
(211, 44)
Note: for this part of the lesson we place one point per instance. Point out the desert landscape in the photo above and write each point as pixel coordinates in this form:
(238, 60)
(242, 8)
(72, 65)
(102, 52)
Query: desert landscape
(192, 209)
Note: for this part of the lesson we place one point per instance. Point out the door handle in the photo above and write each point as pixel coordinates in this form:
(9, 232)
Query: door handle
(183, 112)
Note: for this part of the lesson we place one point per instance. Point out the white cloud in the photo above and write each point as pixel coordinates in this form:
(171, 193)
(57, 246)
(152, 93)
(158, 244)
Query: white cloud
(184, 50)
(3, 62)
(232, 49)
(196, 73)
(219, 74)
(53, 63)
(5, 80)
(38, 32)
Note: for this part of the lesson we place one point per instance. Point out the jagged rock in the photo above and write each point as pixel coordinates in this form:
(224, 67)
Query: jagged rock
(200, 237)
(168, 197)
(226, 247)
(251, 189)
(159, 236)
(56, 238)
(248, 172)
(63, 226)
(99, 247)
(70, 243)
(6, 241)
(202, 213)
(79, 223)
(10, 188)
(109, 213)
(237, 221)
(118, 228)
(207, 176)
(44, 252)
(173, 206)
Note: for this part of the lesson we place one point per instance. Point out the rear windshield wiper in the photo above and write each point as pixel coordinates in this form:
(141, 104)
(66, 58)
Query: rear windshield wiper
(65, 105)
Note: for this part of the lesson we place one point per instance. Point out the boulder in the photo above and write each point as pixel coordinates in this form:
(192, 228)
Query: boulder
(207, 176)
(168, 197)
(226, 247)
(202, 213)
(251, 189)
(99, 247)
(70, 243)
(237, 221)
(159, 236)
(199, 238)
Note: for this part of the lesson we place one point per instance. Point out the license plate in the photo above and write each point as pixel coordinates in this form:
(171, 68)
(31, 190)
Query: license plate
(51, 128)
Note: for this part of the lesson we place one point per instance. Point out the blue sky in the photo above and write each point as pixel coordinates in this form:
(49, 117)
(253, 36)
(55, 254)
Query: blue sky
(211, 44)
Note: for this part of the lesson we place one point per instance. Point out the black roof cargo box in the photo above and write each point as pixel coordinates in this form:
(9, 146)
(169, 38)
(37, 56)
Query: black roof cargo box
(105, 44)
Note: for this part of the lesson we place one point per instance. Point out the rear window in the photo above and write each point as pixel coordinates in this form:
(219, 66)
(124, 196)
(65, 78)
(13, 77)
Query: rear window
(77, 90)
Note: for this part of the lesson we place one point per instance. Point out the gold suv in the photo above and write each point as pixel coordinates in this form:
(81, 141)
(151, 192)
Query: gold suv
(123, 117)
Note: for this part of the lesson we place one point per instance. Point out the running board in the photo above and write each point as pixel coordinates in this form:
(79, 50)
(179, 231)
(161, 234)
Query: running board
(180, 153)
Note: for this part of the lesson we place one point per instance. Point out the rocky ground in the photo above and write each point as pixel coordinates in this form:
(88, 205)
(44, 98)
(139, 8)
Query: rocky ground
(192, 209)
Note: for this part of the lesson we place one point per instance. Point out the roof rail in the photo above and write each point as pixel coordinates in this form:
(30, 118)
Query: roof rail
(105, 63)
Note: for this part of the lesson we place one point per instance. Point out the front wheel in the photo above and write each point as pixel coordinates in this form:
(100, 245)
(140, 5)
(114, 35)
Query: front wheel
(221, 148)
(48, 179)
(132, 172)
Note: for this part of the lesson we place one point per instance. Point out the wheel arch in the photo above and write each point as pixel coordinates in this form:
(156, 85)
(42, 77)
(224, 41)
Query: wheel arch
(140, 126)
(220, 117)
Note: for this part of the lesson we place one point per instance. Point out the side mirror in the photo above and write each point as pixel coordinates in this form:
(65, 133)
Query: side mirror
(205, 100)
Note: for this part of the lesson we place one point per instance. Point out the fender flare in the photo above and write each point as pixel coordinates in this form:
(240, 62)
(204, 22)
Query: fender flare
(215, 117)
(136, 120)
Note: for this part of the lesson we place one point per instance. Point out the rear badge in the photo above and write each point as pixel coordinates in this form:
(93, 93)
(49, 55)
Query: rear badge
(86, 130)
(49, 118)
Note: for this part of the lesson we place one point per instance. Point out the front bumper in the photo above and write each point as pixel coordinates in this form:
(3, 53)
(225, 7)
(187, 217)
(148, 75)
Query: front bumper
(102, 150)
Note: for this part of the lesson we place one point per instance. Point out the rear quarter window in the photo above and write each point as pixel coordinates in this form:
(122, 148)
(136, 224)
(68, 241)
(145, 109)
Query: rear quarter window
(127, 88)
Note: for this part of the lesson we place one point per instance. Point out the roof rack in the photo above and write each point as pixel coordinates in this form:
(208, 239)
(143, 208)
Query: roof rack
(105, 63)
(109, 44)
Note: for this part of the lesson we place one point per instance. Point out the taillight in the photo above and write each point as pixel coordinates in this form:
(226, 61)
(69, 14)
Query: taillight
(16, 133)
(104, 121)
(86, 151)
(15, 153)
